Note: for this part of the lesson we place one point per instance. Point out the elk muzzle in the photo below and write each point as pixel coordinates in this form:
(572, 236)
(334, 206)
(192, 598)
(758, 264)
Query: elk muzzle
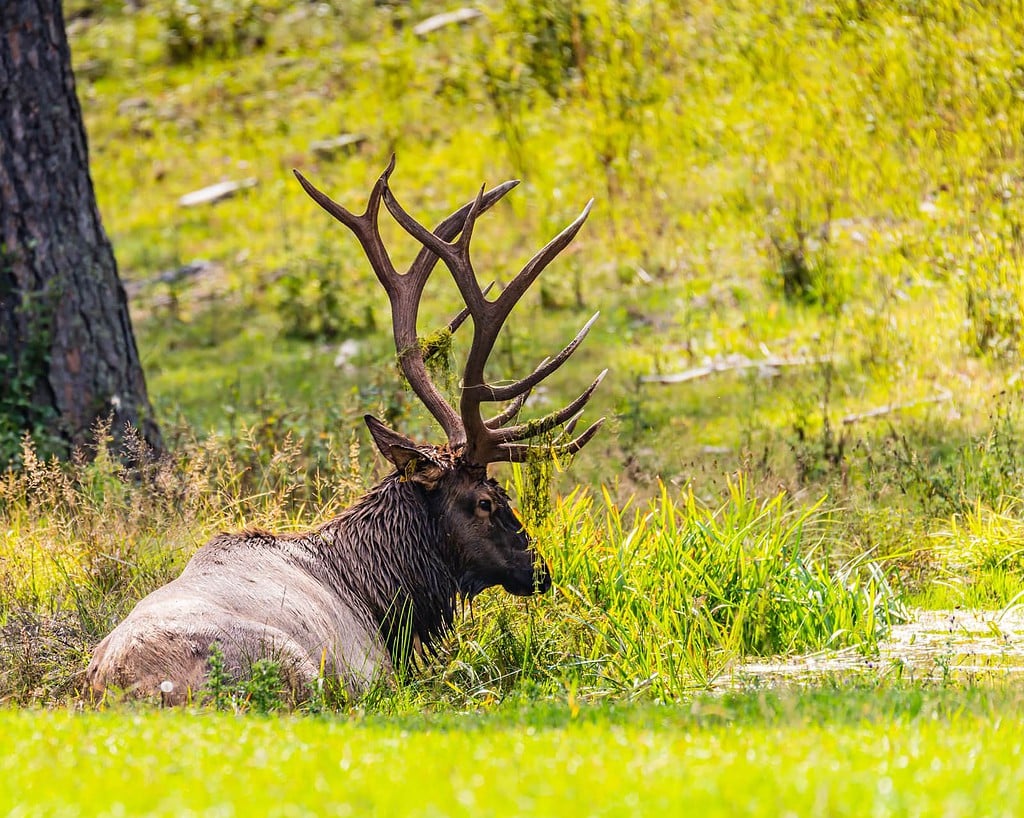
(529, 576)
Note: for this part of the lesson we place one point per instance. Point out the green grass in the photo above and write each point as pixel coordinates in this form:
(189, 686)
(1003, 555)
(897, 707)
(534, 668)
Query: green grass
(870, 752)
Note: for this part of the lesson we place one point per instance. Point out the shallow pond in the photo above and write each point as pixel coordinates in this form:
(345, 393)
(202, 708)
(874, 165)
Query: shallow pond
(935, 646)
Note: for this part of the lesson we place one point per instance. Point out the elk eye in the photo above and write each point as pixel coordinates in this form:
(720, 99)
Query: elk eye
(485, 505)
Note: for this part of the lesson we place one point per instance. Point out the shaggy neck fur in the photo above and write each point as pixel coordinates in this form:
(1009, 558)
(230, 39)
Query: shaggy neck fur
(390, 552)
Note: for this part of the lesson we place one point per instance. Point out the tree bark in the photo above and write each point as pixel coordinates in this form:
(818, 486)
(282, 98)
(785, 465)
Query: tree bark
(67, 352)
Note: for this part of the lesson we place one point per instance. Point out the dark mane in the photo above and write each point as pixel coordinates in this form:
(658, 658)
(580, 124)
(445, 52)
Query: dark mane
(388, 552)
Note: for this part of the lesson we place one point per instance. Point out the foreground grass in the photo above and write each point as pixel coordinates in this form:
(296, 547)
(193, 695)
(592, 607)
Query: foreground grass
(841, 752)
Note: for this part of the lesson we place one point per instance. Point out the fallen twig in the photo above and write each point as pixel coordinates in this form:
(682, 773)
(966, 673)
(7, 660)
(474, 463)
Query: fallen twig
(882, 411)
(734, 363)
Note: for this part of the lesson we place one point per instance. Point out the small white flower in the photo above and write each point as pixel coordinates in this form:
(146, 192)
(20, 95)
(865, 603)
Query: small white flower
(166, 686)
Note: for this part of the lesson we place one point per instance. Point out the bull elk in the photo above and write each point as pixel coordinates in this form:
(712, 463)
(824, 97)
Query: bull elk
(355, 597)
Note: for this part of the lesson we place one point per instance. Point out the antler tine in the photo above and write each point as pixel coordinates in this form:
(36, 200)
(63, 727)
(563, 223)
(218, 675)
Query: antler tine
(448, 229)
(509, 412)
(544, 368)
(364, 227)
(570, 413)
(570, 424)
(519, 452)
(495, 313)
(536, 265)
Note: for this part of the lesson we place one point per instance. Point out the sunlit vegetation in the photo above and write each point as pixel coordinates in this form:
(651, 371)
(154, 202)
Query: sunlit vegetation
(810, 213)
(810, 210)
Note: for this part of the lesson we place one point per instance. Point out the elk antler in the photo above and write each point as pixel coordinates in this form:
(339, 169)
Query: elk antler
(483, 441)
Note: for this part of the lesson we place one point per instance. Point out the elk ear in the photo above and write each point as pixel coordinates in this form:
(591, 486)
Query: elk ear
(397, 448)
(406, 456)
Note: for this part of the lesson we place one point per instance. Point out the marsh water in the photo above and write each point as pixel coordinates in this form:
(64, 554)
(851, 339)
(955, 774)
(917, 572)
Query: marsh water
(962, 645)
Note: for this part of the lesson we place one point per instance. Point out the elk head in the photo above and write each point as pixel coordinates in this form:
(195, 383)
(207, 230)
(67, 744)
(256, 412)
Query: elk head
(485, 542)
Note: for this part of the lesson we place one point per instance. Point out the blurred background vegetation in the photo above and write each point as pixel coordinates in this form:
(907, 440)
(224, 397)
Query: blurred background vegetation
(810, 213)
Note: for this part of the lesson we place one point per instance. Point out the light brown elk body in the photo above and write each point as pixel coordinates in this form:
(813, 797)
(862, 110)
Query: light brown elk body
(352, 598)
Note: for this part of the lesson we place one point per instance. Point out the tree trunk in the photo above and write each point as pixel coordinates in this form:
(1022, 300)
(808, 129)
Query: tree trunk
(67, 353)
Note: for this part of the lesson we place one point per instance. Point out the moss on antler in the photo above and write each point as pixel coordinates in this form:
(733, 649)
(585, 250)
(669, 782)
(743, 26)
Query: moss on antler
(436, 350)
(536, 473)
